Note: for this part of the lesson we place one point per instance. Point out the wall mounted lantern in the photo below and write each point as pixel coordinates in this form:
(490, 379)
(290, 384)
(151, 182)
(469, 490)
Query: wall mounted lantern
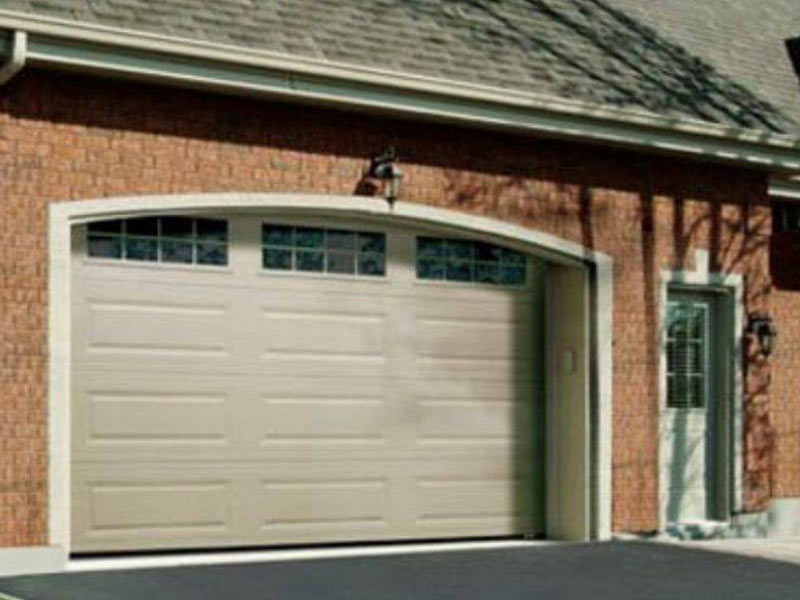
(761, 326)
(383, 167)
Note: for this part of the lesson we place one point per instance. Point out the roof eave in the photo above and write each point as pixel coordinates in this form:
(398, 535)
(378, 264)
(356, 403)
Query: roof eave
(785, 189)
(54, 43)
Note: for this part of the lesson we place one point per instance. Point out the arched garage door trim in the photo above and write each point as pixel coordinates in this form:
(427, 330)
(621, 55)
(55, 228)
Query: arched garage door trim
(558, 251)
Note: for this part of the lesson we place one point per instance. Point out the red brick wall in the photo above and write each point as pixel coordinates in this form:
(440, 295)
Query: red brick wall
(783, 406)
(65, 138)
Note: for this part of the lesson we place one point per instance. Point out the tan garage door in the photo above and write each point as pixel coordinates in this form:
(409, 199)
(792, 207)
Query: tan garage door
(217, 402)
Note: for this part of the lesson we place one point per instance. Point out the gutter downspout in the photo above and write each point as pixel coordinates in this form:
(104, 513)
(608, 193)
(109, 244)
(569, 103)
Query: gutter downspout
(19, 49)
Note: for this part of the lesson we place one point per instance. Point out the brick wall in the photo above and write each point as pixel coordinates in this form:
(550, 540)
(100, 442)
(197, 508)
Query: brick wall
(64, 138)
(784, 408)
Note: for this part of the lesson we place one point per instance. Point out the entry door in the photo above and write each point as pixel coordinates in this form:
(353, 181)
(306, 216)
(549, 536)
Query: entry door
(693, 432)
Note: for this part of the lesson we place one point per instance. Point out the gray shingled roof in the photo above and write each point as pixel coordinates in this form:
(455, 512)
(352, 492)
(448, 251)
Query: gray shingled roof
(717, 60)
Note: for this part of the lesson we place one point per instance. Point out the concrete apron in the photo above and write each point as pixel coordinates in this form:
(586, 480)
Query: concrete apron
(773, 534)
(780, 521)
(781, 549)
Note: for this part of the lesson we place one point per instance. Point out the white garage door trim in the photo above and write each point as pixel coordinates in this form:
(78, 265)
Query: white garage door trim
(64, 215)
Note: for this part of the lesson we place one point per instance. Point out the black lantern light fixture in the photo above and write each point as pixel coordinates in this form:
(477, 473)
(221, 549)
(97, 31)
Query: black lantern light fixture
(383, 167)
(761, 326)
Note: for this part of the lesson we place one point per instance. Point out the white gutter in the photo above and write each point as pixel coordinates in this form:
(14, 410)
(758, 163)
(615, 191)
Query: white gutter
(19, 46)
(665, 133)
(781, 188)
(81, 31)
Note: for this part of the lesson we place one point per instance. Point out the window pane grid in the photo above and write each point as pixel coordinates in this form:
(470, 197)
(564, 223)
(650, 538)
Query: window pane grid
(321, 250)
(686, 355)
(469, 261)
(155, 246)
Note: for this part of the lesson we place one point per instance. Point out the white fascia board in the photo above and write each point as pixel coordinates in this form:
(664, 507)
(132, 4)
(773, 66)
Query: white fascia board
(784, 189)
(91, 47)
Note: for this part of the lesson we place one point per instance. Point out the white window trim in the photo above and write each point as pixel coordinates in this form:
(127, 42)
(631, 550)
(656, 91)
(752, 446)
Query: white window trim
(66, 214)
(702, 279)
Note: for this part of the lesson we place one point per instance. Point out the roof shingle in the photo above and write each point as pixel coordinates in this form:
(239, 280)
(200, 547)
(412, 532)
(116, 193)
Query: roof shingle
(722, 61)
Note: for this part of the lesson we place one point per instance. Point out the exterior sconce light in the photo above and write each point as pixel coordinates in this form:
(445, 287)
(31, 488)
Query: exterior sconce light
(761, 326)
(383, 167)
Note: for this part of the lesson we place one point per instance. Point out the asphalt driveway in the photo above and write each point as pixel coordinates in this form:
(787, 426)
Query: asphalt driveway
(614, 570)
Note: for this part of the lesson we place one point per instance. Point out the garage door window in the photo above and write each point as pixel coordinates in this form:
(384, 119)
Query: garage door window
(469, 261)
(320, 250)
(179, 240)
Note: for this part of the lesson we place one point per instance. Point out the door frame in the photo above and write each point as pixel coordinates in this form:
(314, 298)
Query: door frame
(550, 247)
(729, 484)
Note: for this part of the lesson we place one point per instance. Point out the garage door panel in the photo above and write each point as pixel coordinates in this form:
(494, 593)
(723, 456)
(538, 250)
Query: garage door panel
(494, 307)
(460, 345)
(325, 365)
(342, 335)
(329, 498)
(332, 532)
(485, 390)
(150, 328)
(173, 504)
(246, 407)
(320, 388)
(340, 503)
(476, 420)
(187, 505)
(313, 417)
(448, 499)
(475, 315)
(312, 297)
(442, 293)
(338, 335)
(463, 499)
(472, 526)
(324, 344)
(475, 369)
(116, 511)
(440, 338)
(313, 420)
(316, 418)
(491, 330)
(158, 328)
(93, 273)
(286, 502)
(279, 288)
(148, 417)
(120, 416)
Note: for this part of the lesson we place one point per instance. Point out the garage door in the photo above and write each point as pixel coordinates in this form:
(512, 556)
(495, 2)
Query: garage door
(240, 381)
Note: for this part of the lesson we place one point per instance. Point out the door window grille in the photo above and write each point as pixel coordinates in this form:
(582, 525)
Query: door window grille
(687, 349)
(470, 261)
(170, 239)
(321, 250)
